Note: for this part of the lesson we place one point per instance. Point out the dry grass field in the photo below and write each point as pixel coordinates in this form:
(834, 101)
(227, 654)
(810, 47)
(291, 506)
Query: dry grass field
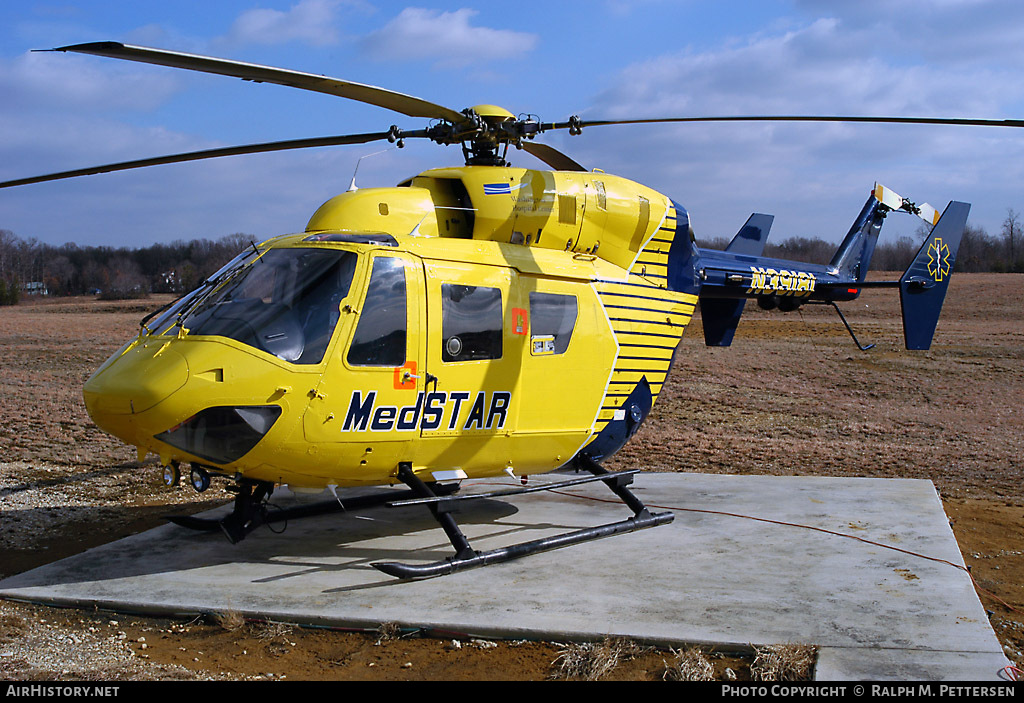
(793, 395)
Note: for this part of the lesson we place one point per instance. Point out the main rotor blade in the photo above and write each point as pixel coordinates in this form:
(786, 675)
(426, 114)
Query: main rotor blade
(399, 102)
(798, 118)
(209, 154)
(552, 157)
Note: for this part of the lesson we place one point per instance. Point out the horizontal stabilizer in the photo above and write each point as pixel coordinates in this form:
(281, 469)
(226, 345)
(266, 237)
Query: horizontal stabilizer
(923, 285)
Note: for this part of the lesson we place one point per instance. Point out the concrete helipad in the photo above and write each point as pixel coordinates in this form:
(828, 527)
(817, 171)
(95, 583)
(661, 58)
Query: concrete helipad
(876, 613)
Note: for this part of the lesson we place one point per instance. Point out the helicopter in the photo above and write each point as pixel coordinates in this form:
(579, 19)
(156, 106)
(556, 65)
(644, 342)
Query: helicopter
(417, 334)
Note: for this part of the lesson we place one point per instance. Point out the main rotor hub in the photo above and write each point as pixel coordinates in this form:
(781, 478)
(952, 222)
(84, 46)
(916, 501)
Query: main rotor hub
(484, 134)
(493, 114)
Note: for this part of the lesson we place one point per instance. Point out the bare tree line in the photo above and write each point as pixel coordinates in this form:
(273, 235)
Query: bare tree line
(27, 265)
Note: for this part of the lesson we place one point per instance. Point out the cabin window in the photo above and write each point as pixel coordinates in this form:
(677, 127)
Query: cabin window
(471, 322)
(380, 336)
(552, 320)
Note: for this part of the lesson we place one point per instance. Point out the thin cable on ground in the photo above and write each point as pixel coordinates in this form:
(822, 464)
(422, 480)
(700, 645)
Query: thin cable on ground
(1012, 672)
(810, 527)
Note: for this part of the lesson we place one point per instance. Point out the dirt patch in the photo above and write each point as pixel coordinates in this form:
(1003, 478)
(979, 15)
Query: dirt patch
(991, 538)
(793, 395)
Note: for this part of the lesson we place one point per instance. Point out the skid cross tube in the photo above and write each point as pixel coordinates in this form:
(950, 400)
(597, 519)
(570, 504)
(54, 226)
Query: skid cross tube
(250, 510)
(511, 491)
(439, 511)
(467, 558)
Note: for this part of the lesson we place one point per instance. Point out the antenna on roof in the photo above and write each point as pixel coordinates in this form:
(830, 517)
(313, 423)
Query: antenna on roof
(352, 185)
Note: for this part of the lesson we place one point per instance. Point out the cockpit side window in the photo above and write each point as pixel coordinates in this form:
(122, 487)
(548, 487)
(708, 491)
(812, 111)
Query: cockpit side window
(325, 287)
(380, 336)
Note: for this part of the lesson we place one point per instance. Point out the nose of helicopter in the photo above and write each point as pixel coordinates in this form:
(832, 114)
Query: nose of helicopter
(140, 378)
(184, 398)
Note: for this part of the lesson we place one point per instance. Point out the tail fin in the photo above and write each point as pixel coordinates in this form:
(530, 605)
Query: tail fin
(923, 285)
(721, 315)
(853, 257)
(727, 278)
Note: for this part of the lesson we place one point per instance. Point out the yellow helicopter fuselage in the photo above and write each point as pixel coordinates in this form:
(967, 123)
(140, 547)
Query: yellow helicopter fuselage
(468, 322)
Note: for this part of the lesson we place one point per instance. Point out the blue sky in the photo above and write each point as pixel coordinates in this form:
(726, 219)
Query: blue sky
(599, 59)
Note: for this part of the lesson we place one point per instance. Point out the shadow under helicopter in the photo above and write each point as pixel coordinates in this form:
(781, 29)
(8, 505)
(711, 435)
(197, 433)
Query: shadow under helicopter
(307, 550)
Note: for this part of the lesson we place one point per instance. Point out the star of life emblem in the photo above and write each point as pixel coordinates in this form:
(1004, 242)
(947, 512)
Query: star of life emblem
(938, 260)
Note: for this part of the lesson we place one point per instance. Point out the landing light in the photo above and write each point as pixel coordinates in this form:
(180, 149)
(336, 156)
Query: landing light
(171, 475)
(199, 479)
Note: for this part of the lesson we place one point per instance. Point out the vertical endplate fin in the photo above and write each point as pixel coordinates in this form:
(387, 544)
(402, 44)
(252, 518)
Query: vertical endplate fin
(720, 316)
(923, 285)
(753, 235)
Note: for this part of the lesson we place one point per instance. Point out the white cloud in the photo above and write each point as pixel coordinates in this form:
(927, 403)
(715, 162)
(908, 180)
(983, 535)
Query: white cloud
(810, 172)
(446, 38)
(821, 68)
(45, 79)
(964, 32)
(309, 21)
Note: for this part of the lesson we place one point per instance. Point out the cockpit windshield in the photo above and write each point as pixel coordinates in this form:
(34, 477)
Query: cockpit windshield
(285, 303)
(169, 314)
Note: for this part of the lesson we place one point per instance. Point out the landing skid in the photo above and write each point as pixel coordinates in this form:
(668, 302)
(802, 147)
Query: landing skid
(467, 558)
